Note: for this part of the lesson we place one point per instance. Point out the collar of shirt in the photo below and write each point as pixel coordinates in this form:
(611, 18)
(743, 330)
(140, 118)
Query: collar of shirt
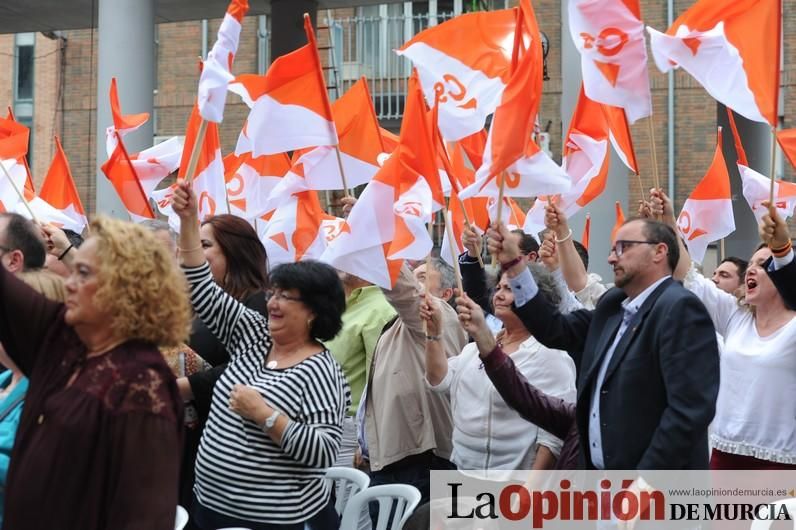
(360, 293)
(631, 306)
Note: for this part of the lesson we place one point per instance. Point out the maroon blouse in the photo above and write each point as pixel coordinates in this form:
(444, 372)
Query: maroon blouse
(103, 453)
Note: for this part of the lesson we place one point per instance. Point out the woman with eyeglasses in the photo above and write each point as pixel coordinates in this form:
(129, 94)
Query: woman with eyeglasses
(754, 426)
(277, 412)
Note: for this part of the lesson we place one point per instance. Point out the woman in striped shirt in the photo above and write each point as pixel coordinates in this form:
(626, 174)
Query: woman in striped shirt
(276, 416)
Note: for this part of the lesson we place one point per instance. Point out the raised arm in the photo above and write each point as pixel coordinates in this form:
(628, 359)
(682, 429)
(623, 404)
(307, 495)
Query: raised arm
(26, 317)
(552, 414)
(405, 300)
(781, 269)
(436, 360)
(543, 320)
(473, 274)
(571, 265)
(228, 319)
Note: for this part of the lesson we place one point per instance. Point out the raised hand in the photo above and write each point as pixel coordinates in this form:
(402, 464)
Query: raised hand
(472, 241)
(183, 202)
(773, 229)
(431, 314)
(472, 319)
(348, 203)
(503, 244)
(548, 252)
(555, 220)
(662, 208)
(54, 239)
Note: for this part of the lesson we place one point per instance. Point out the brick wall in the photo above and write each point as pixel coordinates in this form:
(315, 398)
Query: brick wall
(177, 74)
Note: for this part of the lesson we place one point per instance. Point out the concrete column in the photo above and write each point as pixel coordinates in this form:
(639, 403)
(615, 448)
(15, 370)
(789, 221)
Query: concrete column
(126, 51)
(602, 208)
(287, 24)
(756, 140)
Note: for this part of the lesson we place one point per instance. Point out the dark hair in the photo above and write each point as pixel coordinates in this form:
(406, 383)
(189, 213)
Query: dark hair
(583, 252)
(661, 233)
(320, 290)
(74, 238)
(528, 243)
(23, 235)
(245, 254)
(739, 263)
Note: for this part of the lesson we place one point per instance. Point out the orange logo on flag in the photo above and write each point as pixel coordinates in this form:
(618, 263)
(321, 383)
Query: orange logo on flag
(459, 94)
(414, 208)
(609, 42)
(684, 222)
(236, 190)
(206, 198)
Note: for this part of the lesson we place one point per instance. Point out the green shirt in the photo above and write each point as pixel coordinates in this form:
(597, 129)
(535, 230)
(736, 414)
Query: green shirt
(367, 312)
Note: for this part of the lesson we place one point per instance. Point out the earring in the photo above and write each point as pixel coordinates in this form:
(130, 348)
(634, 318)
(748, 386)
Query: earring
(309, 322)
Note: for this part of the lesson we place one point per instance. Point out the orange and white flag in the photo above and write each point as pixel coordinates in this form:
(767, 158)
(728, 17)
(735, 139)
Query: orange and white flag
(154, 164)
(250, 181)
(707, 213)
(586, 236)
(586, 161)
(360, 144)
(13, 149)
(732, 48)
(208, 182)
(289, 104)
(10, 127)
(58, 201)
(122, 123)
(757, 188)
(388, 222)
(216, 70)
(610, 37)
(121, 173)
(787, 141)
(466, 61)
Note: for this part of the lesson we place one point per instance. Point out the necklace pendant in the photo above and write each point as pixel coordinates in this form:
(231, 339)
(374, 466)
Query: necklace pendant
(271, 365)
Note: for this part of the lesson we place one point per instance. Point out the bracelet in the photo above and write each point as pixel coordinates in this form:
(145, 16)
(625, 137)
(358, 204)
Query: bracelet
(506, 266)
(194, 249)
(433, 337)
(782, 252)
(566, 238)
(65, 252)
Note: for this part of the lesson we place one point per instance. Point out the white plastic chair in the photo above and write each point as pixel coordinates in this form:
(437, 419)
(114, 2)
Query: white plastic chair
(790, 505)
(348, 482)
(403, 497)
(181, 519)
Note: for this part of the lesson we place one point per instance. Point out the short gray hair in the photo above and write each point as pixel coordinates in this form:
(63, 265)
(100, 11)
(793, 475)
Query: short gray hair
(447, 277)
(546, 282)
(156, 225)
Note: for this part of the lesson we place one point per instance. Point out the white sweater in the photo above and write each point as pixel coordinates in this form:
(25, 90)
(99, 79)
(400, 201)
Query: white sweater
(755, 410)
(487, 433)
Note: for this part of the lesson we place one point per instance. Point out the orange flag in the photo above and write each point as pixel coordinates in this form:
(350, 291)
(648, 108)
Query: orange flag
(787, 141)
(59, 190)
(121, 173)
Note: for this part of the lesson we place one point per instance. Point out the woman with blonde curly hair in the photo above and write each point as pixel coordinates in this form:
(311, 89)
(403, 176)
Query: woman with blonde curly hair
(98, 443)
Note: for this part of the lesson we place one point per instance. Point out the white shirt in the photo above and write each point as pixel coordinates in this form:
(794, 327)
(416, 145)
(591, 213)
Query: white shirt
(487, 433)
(755, 412)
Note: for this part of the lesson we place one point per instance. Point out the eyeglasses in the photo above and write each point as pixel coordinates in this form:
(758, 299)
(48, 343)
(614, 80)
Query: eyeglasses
(280, 296)
(623, 244)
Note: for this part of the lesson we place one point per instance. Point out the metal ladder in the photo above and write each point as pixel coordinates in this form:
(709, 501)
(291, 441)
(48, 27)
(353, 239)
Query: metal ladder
(331, 70)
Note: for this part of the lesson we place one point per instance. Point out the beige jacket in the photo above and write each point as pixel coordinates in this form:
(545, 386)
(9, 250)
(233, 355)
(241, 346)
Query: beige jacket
(403, 416)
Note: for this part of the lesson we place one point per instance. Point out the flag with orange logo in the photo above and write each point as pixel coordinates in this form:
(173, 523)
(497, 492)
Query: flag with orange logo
(464, 62)
(707, 213)
(155, 163)
(13, 149)
(289, 104)
(216, 70)
(250, 181)
(610, 37)
(388, 222)
(732, 48)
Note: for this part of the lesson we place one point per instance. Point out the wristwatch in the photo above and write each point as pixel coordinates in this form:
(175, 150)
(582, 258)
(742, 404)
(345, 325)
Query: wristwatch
(270, 421)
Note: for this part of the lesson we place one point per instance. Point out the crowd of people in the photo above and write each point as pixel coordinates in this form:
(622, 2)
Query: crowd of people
(147, 369)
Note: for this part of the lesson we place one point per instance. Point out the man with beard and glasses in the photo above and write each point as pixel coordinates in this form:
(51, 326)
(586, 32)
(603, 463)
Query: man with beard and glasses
(646, 355)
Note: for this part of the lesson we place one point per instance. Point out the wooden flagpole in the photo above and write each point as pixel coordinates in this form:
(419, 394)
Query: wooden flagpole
(722, 253)
(197, 149)
(501, 191)
(19, 193)
(653, 150)
(454, 256)
(773, 170)
(342, 173)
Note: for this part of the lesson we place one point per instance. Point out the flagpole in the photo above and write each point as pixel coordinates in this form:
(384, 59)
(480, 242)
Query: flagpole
(651, 130)
(342, 173)
(194, 160)
(454, 256)
(428, 268)
(773, 171)
(722, 254)
(19, 193)
(501, 191)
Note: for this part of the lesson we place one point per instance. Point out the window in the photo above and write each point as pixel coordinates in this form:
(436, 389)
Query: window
(24, 60)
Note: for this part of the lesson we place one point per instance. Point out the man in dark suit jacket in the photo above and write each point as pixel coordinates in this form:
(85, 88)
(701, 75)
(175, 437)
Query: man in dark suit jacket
(647, 358)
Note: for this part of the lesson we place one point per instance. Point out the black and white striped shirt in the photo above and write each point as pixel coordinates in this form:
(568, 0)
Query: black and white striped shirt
(240, 471)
